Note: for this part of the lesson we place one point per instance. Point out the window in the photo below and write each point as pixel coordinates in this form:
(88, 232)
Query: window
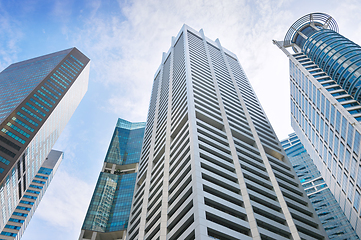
(329, 160)
(350, 191)
(353, 168)
(330, 141)
(327, 109)
(326, 133)
(344, 182)
(332, 117)
(335, 146)
(321, 127)
(359, 177)
(12, 227)
(334, 166)
(349, 135)
(338, 121)
(356, 203)
(343, 129)
(339, 174)
(342, 151)
(356, 142)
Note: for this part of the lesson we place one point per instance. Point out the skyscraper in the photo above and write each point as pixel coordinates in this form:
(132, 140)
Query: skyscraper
(37, 98)
(109, 209)
(325, 104)
(327, 208)
(211, 165)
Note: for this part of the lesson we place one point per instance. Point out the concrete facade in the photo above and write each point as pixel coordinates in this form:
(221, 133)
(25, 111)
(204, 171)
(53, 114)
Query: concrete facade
(211, 165)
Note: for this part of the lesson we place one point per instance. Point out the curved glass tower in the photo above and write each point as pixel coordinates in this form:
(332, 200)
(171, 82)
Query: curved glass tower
(325, 86)
(339, 57)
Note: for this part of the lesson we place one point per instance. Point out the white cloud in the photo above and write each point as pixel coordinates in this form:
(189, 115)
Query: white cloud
(126, 52)
(10, 35)
(126, 45)
(65, 203)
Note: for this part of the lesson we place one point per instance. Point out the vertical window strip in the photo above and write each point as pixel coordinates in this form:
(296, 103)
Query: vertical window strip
(350, 191)
(344, 182)
(353, 168)
(356, 203)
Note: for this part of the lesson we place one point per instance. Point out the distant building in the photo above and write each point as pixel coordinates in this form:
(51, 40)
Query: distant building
(325, 77)
(109, 209)
(37, 99)
(327, 208)
(211, 165)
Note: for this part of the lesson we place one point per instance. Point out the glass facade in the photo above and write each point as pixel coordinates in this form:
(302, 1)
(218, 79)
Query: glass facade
(19, 79)
(339, 57)
(110, 206)
(327, 208)
(124, 148)
(325, 105)
(35, 122)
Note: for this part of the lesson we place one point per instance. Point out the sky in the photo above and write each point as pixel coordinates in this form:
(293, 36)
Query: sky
(125, 41)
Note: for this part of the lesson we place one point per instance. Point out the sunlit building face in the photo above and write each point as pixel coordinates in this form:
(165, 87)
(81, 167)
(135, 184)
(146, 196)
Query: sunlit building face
(325, 74)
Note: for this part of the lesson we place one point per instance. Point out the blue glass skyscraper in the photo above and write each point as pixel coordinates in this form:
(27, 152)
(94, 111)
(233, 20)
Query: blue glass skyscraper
(109, 209)
(325, 90)
(327, 208)
(37, 99)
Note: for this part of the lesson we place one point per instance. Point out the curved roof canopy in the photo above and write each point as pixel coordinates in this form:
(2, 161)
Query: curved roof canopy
(316, 20)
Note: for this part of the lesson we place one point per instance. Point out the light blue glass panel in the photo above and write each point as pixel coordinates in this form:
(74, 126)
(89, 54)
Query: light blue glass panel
(344, 182)
(19, 79)
(353, 168)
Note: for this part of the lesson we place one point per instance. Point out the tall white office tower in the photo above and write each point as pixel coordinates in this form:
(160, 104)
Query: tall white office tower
(211, 165)
(325, 77)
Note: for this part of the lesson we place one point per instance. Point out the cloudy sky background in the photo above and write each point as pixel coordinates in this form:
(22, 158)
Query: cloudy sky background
(125, 41)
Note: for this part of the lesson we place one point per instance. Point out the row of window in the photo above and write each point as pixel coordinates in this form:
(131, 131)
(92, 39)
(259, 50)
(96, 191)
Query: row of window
(322, 135)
